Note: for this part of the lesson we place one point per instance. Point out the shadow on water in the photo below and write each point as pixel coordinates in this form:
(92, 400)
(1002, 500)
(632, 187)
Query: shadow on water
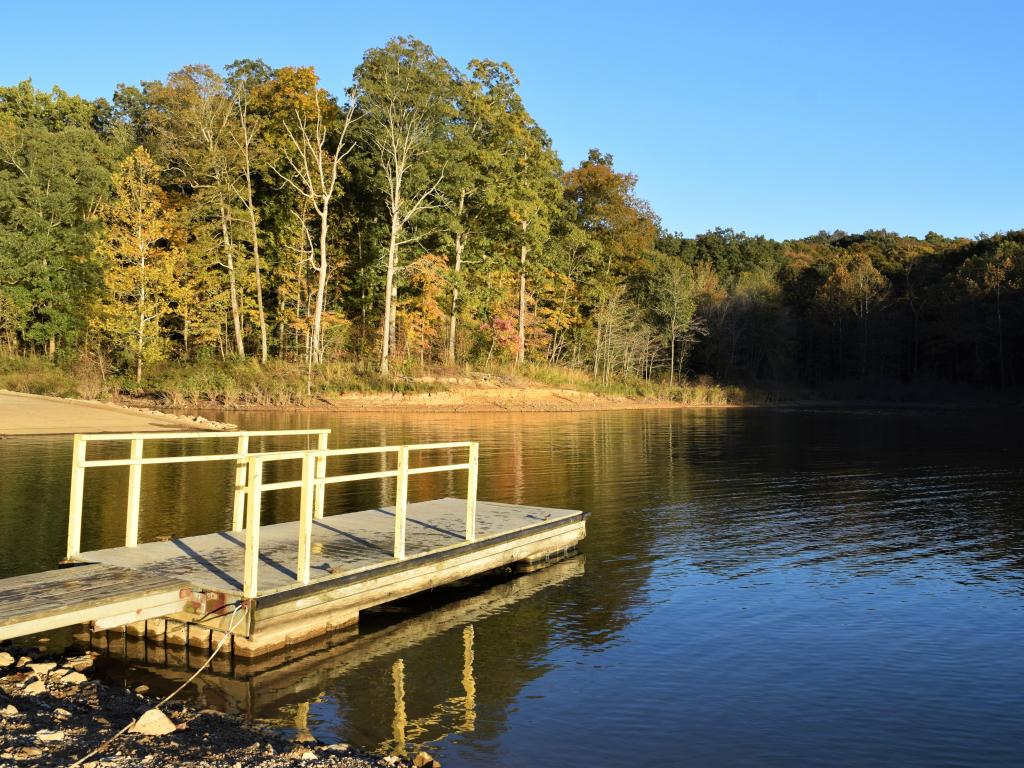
(762, 586)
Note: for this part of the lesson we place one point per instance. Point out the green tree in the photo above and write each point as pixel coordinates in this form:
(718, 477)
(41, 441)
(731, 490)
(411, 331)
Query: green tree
(405, 92)
(54, 172)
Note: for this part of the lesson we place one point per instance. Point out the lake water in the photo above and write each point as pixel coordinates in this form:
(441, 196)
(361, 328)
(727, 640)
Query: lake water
(763, 586)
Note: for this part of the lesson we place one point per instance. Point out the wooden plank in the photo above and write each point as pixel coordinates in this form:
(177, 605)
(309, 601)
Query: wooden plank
(200, 435)
(344, 544)
(134, 606)
(40, 602)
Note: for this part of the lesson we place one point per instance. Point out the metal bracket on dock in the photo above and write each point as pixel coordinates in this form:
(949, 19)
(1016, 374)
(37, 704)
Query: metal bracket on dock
(205, 603)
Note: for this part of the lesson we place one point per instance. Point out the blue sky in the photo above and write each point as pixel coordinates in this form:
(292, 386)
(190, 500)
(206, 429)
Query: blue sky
(780, 118)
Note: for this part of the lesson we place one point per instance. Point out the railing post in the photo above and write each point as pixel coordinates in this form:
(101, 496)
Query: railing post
(77, 487)
(321, 473)
(253, 494)
(238, 507)
(401, 501)
(131, 530)
(306, 496)
(473, 475)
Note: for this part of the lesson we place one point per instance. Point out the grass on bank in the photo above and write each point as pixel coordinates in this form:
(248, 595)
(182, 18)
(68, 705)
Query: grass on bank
(246, 383)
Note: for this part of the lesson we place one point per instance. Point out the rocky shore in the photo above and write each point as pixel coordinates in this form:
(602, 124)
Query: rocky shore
(52, 713)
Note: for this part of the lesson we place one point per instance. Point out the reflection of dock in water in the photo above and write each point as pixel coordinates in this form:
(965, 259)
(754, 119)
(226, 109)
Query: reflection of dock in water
(289, 680)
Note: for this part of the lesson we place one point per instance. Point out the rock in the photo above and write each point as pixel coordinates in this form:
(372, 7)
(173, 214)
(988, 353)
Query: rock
(74, 678)
(61, 713)
(308, 755)
(142, 690)
(36, 688)
(340, 747)
(6, 660)
(43, 668)
(23, 662)
(57, 674)
(28, 753)
(424, 760)
(391, 760)
(50, 735)
(153, 722)
(9, 711)
(80, 663)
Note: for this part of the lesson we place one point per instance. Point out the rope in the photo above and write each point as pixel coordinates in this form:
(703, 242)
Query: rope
(172, 694)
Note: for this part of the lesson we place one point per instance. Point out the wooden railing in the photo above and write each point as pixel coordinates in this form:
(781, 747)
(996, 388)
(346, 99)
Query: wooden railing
(247, 497)
(313, 481)
(135, 462)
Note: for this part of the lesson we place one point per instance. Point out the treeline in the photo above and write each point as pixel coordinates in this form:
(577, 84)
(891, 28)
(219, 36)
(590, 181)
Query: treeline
(422, 218)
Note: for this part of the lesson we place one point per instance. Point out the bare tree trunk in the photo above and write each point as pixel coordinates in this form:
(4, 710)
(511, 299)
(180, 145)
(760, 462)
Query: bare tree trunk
(321, 286)
(236, 319)
(460, 245)
(314, 176)
(999, 328)
(389, 282)
(250, 207)
(142, 306)
(672, 354)
(521, 345)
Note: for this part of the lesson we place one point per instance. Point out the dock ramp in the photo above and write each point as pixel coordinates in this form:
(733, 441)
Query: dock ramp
(104, 595)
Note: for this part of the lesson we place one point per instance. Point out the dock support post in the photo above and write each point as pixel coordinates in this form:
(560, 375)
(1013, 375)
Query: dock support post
(238, 507)
(253, 494)
(321, 473)
(77, 486)
(131, 531)
(306, 496)
(473, 474)
(401, 501)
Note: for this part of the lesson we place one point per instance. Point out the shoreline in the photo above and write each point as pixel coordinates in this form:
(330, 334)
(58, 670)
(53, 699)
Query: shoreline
(511, 400)
(52, 712)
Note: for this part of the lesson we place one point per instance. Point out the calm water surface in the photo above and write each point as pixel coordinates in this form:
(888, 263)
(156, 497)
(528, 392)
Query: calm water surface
(770, 587)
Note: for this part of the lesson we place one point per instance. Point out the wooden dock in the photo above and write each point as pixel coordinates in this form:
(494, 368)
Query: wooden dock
(277, 585)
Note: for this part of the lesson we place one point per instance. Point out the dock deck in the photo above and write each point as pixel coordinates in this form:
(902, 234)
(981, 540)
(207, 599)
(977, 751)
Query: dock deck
(275, 585)
(343, 545)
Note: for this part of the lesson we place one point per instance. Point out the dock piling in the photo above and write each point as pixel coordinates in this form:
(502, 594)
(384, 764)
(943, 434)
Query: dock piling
(307, 493)
(401, 501)
(131, 529)
(241, 465)
(253, 497)
(77, 487)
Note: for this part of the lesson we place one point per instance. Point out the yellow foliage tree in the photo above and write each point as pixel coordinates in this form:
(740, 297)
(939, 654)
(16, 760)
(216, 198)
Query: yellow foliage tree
(137, 269)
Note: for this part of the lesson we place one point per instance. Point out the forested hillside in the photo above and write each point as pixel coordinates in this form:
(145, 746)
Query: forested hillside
(422, 220)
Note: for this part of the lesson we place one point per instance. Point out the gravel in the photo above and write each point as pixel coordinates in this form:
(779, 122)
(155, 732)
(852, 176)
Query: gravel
(56, 715)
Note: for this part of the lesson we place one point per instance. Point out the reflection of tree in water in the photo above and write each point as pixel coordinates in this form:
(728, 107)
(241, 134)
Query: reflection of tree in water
(868, 491)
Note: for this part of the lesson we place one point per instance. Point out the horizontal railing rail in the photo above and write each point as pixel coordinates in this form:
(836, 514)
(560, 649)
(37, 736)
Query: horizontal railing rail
(313, 481)
(135, 461)
(247, 498)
